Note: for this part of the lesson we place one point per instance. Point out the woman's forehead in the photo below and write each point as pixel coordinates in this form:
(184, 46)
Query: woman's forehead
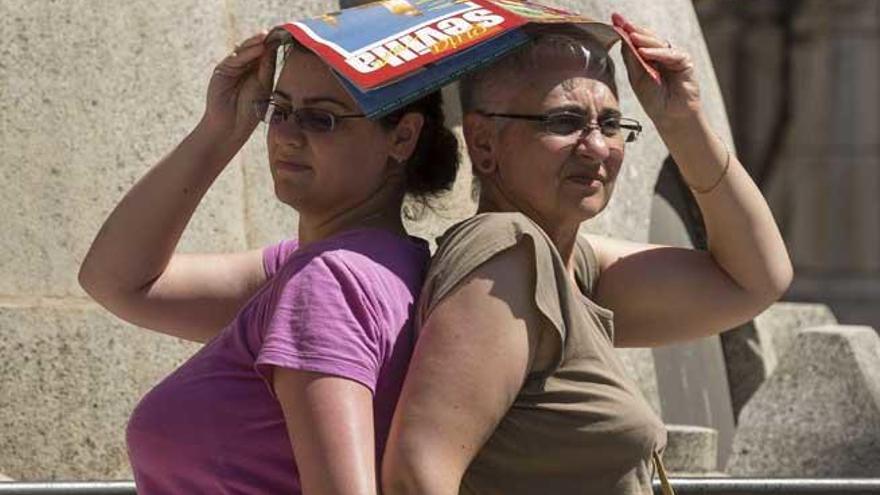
(579, 91)
(305, 76)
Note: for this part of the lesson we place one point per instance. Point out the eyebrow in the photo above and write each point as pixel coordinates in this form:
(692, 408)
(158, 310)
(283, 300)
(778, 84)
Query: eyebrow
(610, 113)
(604, 113)
(567, 108)
(313, 100)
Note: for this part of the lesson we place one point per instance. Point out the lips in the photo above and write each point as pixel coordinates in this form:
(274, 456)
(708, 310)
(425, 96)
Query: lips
(586, 179)
(291, 166)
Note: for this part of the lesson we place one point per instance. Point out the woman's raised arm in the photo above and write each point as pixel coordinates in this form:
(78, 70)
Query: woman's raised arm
(662, 294)
(131, 268)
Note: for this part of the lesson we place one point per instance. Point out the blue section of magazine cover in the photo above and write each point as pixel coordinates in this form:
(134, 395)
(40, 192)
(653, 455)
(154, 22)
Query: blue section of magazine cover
(383, 100)
(379, 20)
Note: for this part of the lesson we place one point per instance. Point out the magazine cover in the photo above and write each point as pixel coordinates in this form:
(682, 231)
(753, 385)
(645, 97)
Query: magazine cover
(390, 52)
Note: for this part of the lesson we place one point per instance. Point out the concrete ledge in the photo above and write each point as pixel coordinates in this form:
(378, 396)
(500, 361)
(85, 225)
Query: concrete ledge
(691, 450)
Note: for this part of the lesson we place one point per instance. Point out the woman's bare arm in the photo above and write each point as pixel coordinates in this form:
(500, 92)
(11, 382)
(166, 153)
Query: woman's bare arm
(330, 423)
(131, 267)
(662, 294)
(472, 356)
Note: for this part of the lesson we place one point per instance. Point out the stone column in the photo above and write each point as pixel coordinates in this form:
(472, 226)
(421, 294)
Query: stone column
(828, 179)
(800, 79)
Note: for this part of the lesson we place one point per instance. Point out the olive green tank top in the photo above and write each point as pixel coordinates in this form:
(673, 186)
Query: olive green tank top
(579, 425)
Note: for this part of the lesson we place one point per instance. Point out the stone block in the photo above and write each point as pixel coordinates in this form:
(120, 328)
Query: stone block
(852, 296)
(92, 96)
(691, 450)
(71, 375)
(818, 415)
(753, 350)
(779, 324)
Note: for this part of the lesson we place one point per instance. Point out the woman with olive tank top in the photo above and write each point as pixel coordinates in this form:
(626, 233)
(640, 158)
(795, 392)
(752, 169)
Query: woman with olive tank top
(514, 386)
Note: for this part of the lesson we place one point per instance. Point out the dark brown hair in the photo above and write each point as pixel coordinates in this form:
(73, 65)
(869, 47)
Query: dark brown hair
(433, 165)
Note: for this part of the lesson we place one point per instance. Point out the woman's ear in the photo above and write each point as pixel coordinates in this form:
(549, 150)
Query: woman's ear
(405, 136)
(479, 134)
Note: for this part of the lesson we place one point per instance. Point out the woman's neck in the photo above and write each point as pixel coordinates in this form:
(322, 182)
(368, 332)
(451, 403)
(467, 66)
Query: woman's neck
(383, 216)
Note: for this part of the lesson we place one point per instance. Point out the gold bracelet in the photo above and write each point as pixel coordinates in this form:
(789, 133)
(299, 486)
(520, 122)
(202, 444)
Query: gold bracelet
(720, 178)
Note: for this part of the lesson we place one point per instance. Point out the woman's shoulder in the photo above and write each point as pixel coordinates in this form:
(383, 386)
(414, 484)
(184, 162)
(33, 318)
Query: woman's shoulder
(499, 223)
(485, 233)
(367, 260)
(468, 245)
(275, 255)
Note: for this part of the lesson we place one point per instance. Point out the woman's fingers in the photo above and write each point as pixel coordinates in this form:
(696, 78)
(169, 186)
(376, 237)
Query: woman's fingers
(636, 29)
(641, 36)
(256, 39)
(245, 53)
(622, 22)
(643, 40)
(669, 58)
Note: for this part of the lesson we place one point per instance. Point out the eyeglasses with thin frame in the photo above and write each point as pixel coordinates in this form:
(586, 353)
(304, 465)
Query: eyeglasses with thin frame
(567, 123)
(308, 119)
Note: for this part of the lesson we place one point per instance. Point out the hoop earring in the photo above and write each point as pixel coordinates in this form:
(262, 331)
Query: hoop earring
(485, 166)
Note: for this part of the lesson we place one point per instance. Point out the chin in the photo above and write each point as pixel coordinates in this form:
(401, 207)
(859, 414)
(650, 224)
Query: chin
(295, 199)
(591, 206)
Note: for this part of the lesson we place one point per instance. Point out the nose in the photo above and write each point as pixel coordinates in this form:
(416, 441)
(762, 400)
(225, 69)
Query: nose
(592, 143)
(287, 133)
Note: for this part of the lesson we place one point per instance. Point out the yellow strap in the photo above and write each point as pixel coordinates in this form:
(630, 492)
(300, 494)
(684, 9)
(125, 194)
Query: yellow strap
(664, 482)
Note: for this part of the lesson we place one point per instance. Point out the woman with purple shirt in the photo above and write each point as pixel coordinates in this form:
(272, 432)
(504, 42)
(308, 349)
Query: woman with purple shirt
(307, 341)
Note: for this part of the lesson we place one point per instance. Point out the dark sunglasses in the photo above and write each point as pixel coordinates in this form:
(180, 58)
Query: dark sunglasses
(568, 123)
(275, 113)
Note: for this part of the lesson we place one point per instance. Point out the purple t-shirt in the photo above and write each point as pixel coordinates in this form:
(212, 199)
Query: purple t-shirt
(342, 306)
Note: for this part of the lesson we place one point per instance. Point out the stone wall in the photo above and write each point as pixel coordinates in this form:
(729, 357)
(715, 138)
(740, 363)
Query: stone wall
(91, 95)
